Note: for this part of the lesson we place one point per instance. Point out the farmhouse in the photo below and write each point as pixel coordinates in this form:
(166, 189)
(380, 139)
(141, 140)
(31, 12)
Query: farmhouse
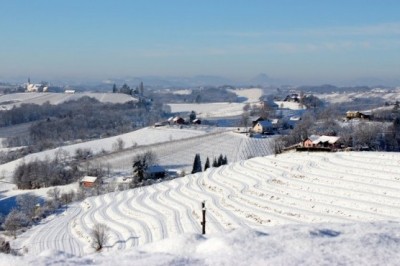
(36, 88)
(255, 120)
(178, 120)
(356, 114)
(88, 181)
(263, 127)
(316, 142)
(294, 97)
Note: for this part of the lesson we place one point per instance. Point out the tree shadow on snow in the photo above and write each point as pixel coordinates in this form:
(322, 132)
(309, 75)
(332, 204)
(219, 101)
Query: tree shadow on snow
(324, 233)
(118, 242)
(7, 204)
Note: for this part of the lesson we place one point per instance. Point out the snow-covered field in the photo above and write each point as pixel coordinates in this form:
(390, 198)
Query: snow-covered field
(388, 95)
(179, 154)
(291, 188)
(375, 243)
(212, 110)
(141, 137)
(7, 101)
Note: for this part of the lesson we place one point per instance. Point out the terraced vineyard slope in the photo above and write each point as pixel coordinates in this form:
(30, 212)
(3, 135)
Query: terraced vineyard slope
(256, 193)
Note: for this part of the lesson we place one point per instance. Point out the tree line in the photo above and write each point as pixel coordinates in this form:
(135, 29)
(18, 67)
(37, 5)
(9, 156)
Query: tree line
(217, 162)
(85, 118)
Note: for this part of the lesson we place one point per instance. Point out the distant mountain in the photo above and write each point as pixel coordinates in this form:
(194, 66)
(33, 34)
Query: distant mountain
(196, 81)
(261, 79)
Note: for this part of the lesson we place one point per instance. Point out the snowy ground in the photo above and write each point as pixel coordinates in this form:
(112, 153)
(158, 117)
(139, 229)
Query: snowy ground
(7, 101)
(292, 188)
(223, 109)
(141, 137)
(388, 95)
(179, 154)
(320, 244)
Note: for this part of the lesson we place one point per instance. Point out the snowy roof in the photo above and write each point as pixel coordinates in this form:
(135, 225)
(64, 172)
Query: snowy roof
(295, 118)
(176, 118)
(257, 118)
(318, 139)
(90, 179)
(275, 121)
(155, 169)
(264, 123)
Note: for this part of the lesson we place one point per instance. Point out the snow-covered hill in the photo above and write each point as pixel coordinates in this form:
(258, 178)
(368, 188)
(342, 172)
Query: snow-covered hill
(7, 101)
(292, 188)
(374, 243)
(179, 154)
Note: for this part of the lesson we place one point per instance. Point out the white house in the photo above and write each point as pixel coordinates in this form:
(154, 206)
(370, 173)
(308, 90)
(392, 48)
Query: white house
(263, 127)
(36, 87)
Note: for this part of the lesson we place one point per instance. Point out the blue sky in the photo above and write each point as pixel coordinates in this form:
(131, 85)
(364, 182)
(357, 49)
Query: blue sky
(303, 41)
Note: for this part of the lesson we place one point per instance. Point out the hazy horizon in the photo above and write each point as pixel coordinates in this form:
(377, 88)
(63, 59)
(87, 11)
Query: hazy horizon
(310, 42)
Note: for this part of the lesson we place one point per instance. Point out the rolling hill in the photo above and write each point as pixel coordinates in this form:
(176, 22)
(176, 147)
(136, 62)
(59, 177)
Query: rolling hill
(254, 194)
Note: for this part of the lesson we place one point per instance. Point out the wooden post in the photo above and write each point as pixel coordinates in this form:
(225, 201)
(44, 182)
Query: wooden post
(203, 223)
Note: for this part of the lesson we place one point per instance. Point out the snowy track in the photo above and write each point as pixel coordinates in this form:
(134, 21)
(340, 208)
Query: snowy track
(263, 191)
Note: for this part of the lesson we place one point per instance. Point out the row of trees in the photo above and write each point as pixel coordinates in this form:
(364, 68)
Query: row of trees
(217, 162)
(38, 174)
(127, 90)
(85, 118)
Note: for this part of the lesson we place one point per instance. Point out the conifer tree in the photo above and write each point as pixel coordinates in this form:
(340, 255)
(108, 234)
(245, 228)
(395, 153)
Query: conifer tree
(225, 160)
(196, 164)
(207, 165)
(220, 160)
(215, 163)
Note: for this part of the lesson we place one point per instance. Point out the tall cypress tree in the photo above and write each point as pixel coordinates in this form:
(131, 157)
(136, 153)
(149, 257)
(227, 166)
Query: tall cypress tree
(215, 163)
(207, 165)
(196, 164)
(220, 160)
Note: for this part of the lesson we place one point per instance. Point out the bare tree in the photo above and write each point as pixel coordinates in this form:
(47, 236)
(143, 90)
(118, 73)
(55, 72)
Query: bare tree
(100, 236)
(27, 204)
(118, 145)
(54, 193)
(14, 221)
(245, 120)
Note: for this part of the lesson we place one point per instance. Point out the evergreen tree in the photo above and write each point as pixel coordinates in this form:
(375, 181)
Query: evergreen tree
(207, 165)
(192, 116)
(140, 165)
(115, 90)
(220, 160)
(225, 160)
(196, 164)
(141, 88)
(215, 163)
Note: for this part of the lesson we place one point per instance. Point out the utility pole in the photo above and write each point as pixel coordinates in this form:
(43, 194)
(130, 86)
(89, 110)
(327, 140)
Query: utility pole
(203, 223)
